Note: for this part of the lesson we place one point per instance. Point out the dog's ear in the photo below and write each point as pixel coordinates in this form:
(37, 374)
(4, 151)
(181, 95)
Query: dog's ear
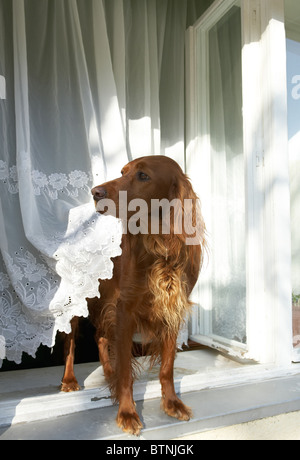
(182, 189)
(173, 190)
(178, 193)
(176, 209)
(187, 221)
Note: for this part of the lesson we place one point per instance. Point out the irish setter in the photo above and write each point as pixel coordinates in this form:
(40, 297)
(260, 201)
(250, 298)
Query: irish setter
(150, 287)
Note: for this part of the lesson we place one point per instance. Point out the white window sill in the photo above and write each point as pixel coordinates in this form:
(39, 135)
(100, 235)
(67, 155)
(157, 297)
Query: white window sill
(33, 396)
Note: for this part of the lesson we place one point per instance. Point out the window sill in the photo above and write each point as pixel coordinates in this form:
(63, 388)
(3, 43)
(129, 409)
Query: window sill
(207, 381)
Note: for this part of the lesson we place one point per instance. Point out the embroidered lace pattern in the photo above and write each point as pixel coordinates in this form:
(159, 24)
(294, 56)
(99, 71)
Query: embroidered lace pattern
(41, 294)
(44, 184)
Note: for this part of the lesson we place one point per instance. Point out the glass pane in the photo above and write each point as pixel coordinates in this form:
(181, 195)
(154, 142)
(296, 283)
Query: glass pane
(228, 281)
(293, 79)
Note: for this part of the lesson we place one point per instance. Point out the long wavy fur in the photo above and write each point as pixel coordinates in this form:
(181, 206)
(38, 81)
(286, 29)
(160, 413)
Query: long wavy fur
(168, 287)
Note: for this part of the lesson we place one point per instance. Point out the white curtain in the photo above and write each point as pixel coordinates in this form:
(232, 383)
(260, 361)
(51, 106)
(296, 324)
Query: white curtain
(90, 84)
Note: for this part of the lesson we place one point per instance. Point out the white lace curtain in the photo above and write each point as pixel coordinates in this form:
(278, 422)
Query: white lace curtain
(90, 84)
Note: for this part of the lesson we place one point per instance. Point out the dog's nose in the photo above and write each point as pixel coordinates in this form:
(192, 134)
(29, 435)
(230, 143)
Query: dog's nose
(99, 193)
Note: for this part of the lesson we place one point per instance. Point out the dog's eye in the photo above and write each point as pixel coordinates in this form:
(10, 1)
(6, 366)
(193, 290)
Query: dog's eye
(142, 176)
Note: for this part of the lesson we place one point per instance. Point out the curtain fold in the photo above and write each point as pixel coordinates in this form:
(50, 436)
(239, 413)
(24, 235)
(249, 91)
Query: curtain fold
(90, 85)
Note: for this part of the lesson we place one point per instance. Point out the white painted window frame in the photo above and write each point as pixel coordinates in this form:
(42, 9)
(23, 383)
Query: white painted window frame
(268, 251)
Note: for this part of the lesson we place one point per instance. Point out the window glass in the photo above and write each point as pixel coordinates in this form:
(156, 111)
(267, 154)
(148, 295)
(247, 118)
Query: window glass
(293, 81)
(228, 280)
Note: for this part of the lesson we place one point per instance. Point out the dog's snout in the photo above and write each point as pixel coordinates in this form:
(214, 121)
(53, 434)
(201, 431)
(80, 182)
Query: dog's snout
(99, 193)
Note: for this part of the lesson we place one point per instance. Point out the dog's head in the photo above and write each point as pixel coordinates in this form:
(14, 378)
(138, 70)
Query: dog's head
(154, 191)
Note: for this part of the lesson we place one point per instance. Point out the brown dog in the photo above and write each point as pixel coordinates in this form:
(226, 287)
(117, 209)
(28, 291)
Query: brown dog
(151, 283)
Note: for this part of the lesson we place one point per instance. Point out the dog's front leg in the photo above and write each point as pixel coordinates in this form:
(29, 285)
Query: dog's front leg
(69, 382)
(170, 402)
(127, 417)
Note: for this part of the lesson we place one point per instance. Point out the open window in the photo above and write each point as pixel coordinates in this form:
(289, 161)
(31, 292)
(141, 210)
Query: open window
(237, 157)
(221, 316)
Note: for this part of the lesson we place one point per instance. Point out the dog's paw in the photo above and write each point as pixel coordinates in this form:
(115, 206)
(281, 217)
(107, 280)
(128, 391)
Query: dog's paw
(130, 422)
(175, 408)
(67, 387)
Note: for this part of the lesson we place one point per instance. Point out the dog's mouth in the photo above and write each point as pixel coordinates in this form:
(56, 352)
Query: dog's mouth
(103, 209)
(104, 205)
